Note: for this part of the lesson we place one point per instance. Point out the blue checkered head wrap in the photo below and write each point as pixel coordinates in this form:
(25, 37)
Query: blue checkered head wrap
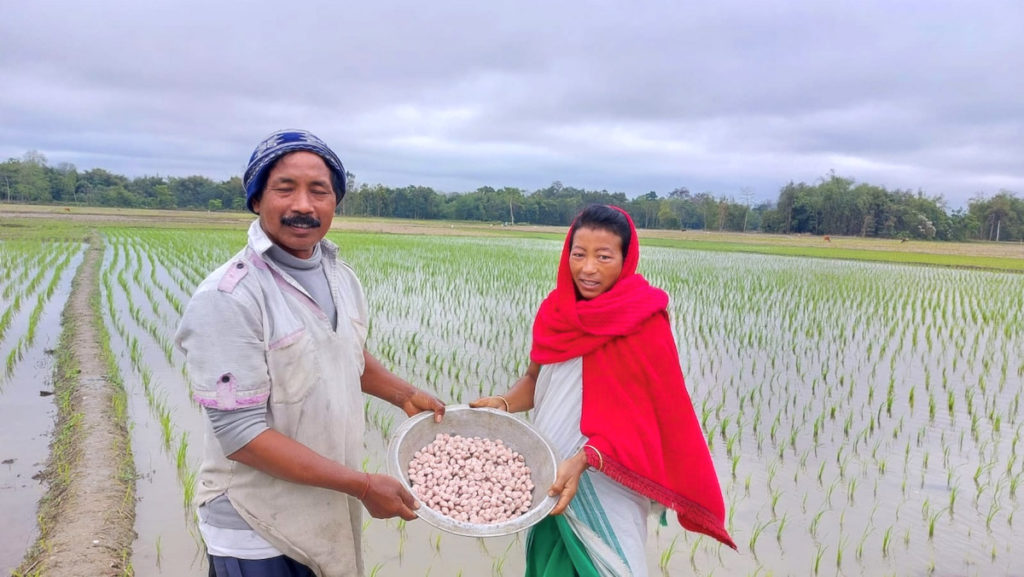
(279, 144)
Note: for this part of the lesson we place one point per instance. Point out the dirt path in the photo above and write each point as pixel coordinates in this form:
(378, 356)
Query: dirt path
(87, 516)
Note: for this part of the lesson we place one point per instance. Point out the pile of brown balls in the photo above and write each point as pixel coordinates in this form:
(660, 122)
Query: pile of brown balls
(471, 479)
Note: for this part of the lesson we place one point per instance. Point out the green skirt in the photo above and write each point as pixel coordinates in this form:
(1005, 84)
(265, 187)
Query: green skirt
(554, 550)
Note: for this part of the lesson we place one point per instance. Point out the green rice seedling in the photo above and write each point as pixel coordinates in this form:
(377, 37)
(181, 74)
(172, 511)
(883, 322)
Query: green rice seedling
(166, 427)
(993, 510)
(814, 523)
(693, 553)
(828, 493)
(780, 528)
(755, 535)
(181, 455)
(666, 555)
(817, 557)
(851, 490)
(863, 539)
(931, 523)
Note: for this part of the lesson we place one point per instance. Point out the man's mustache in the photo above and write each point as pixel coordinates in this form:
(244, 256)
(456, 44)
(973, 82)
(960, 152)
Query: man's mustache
(301, 220)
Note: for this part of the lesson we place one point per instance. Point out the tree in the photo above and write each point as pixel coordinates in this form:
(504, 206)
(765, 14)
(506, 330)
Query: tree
(65, 182)
(9, 178)
(747, 194)
(515, 200)
(667, 217)
(193, 191)
(999, 211)
(648, 208)
(32, 182)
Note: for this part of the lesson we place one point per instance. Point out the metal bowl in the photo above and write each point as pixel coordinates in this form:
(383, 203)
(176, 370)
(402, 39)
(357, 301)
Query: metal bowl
(420, 430)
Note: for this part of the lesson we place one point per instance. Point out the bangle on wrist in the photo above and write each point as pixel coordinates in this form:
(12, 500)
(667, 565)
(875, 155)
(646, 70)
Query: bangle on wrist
(504, 400)
(600, 458)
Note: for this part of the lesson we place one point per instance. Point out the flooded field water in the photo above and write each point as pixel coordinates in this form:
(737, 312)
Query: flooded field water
(864, 418)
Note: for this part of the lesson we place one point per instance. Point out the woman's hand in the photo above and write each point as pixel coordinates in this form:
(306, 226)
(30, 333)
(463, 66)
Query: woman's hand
(567, 480)
(519, 396)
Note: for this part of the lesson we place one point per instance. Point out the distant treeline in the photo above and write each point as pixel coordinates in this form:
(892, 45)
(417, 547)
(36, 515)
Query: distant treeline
(833, 206)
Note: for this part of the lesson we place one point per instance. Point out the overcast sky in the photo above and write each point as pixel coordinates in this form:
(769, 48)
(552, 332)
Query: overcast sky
(726, 97)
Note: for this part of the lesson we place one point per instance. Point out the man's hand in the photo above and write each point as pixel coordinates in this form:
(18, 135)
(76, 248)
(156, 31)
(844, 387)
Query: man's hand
(420, 401)
(386, 497)
(378, 381)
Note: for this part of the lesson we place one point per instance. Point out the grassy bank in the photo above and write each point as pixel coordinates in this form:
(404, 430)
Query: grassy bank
(71, 446)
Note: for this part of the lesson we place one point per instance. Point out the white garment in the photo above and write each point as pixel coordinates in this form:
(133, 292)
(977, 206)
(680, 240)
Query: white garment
(610, 519)
(238, 543)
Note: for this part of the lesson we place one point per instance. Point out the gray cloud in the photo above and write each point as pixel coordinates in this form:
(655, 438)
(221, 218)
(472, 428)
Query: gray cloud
(626, 97)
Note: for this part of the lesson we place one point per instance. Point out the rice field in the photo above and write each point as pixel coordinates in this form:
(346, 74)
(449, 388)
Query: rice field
(864, 418)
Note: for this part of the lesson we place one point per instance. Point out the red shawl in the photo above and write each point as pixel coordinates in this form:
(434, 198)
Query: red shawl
(637, 413)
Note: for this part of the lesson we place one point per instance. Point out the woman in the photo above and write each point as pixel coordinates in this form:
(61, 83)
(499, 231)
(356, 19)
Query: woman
(607, 390)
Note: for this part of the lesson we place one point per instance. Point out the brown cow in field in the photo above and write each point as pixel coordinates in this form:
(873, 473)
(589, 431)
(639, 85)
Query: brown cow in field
(828, 238)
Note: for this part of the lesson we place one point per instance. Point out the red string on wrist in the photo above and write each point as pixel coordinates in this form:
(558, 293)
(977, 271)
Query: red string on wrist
(366, 487)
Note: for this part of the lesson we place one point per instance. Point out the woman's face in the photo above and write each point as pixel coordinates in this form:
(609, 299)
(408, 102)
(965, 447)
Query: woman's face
(595, 261)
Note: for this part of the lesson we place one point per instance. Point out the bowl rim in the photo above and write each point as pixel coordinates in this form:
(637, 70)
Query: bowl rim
(534, 515)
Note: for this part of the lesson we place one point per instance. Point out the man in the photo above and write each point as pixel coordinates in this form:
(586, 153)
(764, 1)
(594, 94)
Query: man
(275, 347)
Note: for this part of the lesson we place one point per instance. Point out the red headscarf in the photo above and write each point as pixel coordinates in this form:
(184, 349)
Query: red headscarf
(637, 413)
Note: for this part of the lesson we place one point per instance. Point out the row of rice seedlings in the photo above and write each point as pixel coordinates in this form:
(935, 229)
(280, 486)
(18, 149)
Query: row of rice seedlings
(116, 269)
(15, 267)
(65, 252)
(153, 327)
(25, 283)
(30, 262)
(175, 439)
(171, 440)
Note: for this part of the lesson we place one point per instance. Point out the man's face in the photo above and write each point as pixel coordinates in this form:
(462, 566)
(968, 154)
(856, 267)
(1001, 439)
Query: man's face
(297, 204)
